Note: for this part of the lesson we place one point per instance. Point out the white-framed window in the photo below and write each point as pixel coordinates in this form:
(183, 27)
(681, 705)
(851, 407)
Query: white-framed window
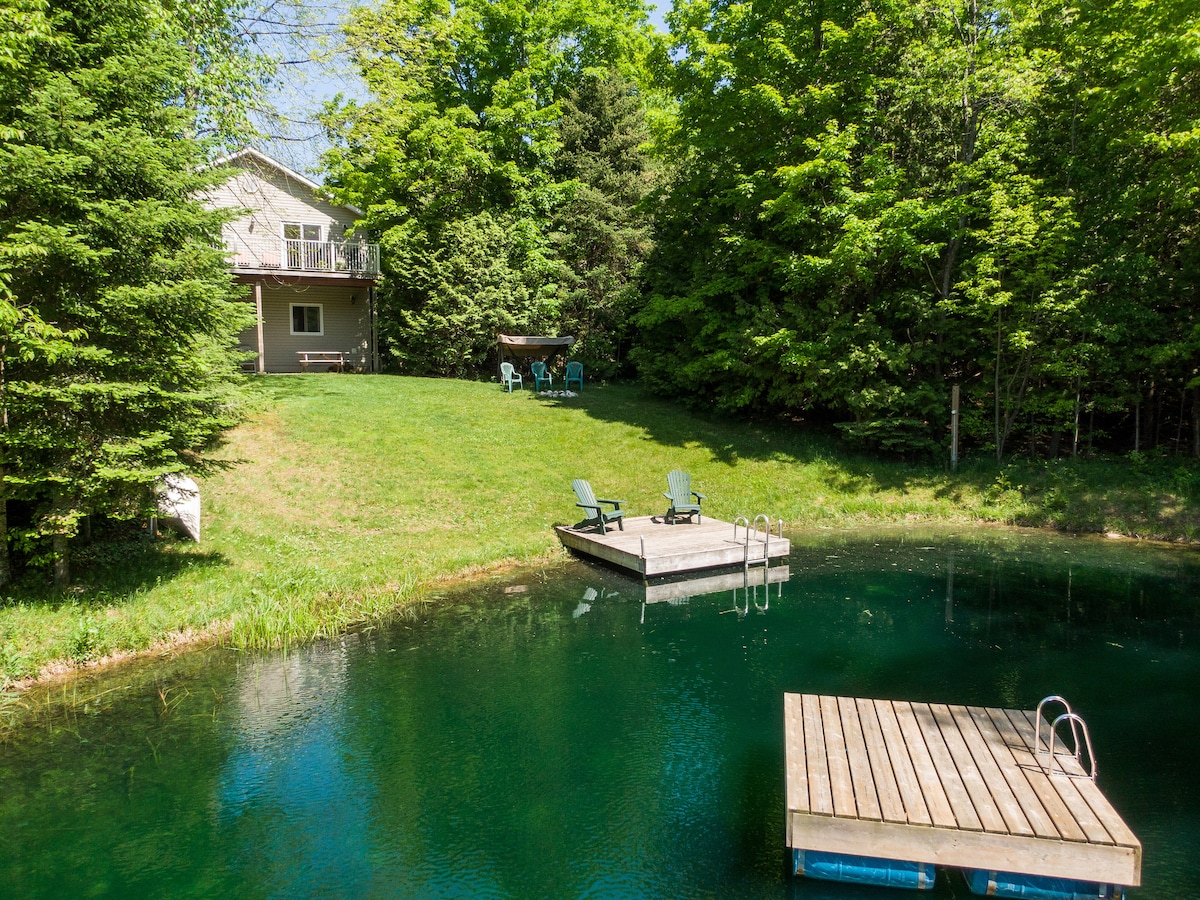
(301, 231)
(308, 318)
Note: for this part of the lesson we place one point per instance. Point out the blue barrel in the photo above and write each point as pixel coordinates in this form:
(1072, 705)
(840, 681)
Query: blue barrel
(1038, 887)
(863, 870)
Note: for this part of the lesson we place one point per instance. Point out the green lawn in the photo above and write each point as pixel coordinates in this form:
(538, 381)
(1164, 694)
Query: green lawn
(348, 497)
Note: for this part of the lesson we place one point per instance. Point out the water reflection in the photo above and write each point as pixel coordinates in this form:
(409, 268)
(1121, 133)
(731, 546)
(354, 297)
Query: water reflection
(750, 585)
(288, 765)
(581, 734)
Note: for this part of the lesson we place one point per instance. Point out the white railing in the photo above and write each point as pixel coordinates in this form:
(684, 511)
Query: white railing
(349, 257)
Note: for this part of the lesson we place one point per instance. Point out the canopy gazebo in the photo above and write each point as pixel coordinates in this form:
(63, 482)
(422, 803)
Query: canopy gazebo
(522, 348)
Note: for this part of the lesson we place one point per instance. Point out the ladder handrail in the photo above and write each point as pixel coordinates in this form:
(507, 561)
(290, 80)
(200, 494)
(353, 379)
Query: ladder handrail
(751, 530)
(1053, 698)
(766, 540)
(1074, 718)
(1077, 725)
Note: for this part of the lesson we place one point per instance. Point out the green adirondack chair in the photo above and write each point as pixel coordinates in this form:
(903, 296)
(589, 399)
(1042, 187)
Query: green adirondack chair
(510, 376)
(680, 493)
(591, 503)
(575, 374)
(541, 375)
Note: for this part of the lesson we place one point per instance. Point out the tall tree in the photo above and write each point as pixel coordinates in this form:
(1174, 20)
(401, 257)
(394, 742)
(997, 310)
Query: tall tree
(453, 160)
(876, 200)
(117, 318)
(601, 230)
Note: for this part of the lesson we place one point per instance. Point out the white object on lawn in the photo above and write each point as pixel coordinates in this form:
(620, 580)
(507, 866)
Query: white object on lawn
(179, 503)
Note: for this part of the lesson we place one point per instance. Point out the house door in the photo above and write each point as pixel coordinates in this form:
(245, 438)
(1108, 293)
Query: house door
(303, 248)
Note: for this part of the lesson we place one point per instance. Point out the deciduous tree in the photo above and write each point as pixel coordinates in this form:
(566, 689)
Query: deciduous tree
(454, 161)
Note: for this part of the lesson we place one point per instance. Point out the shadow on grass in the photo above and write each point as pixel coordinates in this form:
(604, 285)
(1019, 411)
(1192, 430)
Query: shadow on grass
(110, 571)
(730, 439)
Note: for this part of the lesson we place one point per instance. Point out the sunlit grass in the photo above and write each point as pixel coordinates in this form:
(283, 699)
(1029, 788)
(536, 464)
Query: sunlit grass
(348, 497)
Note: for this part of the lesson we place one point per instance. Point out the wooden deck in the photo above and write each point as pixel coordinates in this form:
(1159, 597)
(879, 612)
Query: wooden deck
(950, 785)
(650, 547)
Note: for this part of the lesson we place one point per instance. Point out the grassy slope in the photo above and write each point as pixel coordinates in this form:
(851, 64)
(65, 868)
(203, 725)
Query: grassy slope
(348, 496)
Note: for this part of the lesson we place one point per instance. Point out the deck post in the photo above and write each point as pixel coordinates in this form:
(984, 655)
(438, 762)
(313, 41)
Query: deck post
(260, 364)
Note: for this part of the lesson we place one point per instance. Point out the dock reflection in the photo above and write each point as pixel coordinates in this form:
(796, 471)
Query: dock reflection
(751, 588)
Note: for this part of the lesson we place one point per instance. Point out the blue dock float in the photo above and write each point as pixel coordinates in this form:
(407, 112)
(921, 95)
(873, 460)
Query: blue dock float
(1038, 887)
(863, 870)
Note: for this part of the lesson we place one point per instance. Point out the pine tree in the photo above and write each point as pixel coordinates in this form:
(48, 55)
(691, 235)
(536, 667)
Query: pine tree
(117, 315)
(602, 230)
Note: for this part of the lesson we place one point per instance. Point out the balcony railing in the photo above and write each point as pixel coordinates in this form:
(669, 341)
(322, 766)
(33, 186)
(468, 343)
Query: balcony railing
(347, 257)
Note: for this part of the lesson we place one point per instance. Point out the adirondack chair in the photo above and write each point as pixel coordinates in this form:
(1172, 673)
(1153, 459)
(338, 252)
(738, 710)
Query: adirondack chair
(509, 376)
(541, 375)
(680, 494)
(575, 374)
(591, 503)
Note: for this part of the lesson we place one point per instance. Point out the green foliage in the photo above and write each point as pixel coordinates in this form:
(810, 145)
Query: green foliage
(117, 316)
(453, 291)
(876, 202)
(454, 161)
(601, 231)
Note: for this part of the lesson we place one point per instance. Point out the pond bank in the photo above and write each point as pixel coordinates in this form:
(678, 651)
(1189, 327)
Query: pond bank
(349, 498)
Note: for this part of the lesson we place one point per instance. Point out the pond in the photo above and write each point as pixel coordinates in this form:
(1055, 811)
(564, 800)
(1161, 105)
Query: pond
(551, 734)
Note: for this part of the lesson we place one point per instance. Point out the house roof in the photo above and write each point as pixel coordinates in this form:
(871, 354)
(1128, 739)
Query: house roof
(263, 159)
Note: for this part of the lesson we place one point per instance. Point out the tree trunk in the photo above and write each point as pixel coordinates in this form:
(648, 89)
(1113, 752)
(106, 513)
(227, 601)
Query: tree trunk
(60, 543)
(1151, 423)
(62, 565)
(1196, 423)
(1179, 426)
(1075, 441)
(996, 397)
(5, 570)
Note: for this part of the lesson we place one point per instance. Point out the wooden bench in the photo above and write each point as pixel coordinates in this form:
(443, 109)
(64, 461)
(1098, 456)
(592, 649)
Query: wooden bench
(335, 359)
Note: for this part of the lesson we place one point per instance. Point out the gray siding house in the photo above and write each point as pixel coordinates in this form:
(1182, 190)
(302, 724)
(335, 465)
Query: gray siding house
(306, 265)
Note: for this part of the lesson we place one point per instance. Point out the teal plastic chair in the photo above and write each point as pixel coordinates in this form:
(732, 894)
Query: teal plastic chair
(679, 492)
(510, 376)
(541, 375)
(575, 374)
(591, 503)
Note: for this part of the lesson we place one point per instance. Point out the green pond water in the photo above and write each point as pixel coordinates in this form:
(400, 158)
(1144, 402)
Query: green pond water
(551, 734)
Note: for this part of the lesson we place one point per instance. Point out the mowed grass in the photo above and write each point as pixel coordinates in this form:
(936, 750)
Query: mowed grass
(348, 498)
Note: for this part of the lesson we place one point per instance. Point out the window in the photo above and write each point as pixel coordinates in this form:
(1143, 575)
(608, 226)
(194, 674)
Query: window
(306, 319)
(296, 231)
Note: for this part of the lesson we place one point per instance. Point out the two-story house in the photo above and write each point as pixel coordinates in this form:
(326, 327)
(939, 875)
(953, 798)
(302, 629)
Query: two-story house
(307, 266)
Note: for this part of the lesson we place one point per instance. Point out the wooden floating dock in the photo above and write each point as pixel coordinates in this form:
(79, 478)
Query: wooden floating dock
(650, 547)
(950, 785)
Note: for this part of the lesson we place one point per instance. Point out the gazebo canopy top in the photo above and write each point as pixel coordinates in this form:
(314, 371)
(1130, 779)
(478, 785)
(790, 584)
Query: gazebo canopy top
(514, 346)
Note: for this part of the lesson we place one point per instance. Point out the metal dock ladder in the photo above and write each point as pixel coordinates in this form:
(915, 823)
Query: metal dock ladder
(1078, 726)
(751, 532)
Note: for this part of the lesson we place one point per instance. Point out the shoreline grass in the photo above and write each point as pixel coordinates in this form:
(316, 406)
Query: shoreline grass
(348, 498)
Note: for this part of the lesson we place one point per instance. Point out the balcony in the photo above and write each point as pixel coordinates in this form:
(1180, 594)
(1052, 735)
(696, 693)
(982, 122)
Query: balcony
(351, 258)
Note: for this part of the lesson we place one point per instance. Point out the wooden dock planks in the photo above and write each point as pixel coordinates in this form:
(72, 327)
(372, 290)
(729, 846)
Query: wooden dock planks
(650, 547)
(952, 785)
